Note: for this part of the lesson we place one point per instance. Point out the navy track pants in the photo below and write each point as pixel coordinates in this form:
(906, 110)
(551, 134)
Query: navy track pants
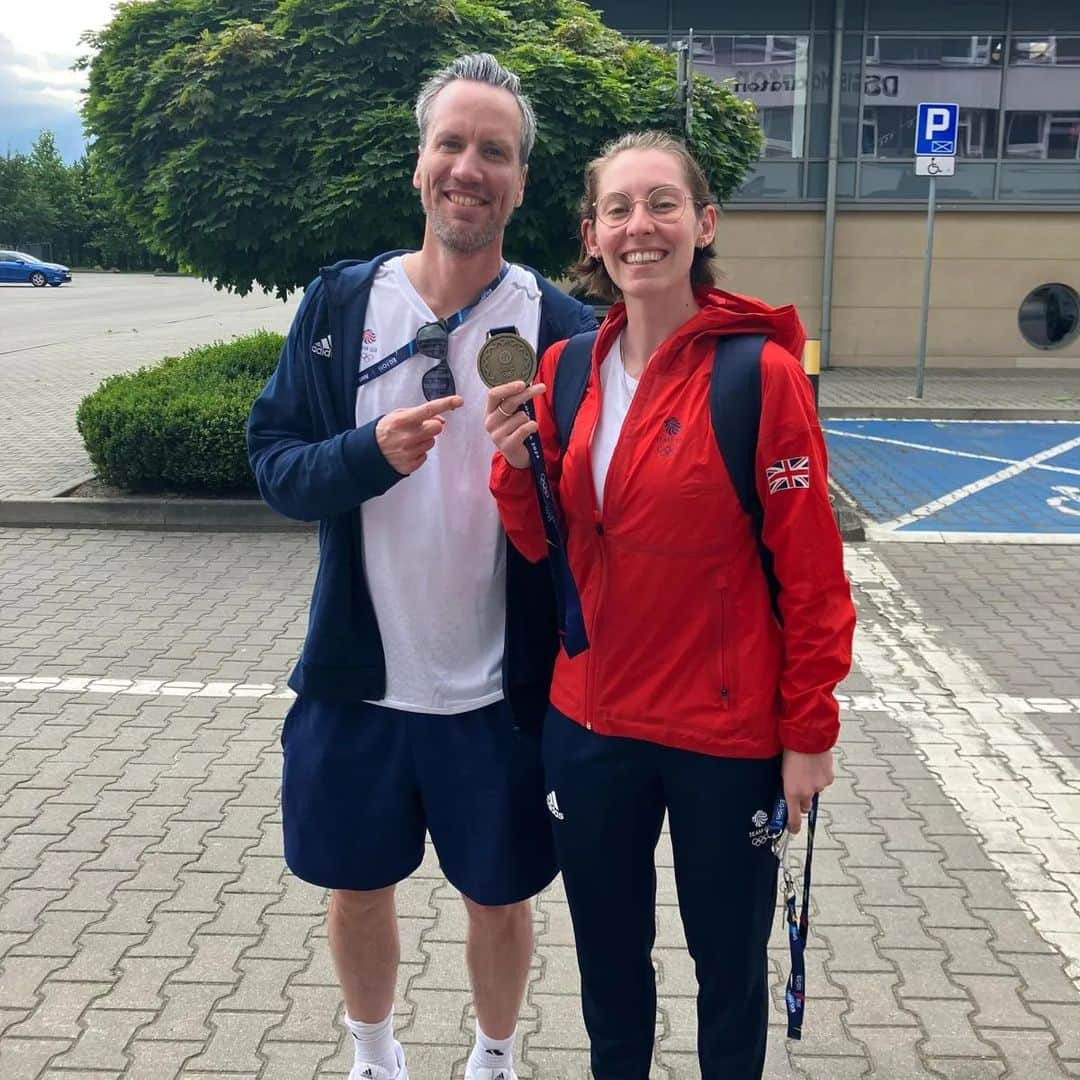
(608, 797)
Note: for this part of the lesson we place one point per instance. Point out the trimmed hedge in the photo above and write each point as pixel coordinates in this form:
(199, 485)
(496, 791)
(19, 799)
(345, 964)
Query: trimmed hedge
(179, 426)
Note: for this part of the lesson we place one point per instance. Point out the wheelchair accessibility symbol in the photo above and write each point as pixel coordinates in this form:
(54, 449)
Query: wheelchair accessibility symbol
(935, 166)
(1067, 500)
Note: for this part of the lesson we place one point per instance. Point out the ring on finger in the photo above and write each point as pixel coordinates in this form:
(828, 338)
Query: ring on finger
(503, 411)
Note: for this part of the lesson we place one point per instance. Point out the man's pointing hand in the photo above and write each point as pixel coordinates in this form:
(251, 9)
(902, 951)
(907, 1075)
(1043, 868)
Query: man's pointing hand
(406, 435)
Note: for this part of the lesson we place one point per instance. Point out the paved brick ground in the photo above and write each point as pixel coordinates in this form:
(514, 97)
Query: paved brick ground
(148, 927)
(60, 343)
(1002, 390)
(1010, 608)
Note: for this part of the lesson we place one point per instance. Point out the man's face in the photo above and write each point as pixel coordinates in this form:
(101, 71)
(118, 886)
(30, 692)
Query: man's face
(469, 172)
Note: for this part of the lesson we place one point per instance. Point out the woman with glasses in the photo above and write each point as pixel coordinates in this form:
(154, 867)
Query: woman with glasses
(714, 644)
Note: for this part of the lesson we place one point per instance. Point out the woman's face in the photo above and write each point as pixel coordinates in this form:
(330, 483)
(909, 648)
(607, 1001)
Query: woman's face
(645, 225)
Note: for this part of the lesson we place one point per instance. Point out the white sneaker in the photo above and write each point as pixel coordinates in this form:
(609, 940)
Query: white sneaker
(484, 1073)
(362, 1071)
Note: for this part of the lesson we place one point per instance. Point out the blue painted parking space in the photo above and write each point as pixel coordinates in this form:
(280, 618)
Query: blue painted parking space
(1070, 460)
(921, 479)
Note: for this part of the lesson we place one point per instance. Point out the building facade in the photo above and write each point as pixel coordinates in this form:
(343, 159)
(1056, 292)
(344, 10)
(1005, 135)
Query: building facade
(1006, 272)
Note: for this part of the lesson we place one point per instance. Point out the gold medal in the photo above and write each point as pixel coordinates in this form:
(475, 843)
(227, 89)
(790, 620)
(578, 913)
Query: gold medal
(506, 358)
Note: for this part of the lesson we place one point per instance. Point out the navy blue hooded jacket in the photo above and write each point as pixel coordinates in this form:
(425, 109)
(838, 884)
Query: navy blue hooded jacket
(312, 463)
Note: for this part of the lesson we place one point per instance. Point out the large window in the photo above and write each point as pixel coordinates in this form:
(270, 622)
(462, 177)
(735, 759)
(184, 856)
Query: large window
(711, 15)
(1063, 15)
(901, 71)
(1018, 92)
(1042, 99)
(772, 71)
(942, 15)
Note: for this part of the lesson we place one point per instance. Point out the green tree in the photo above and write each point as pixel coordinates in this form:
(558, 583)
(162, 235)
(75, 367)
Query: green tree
(255, 140)
(68, 210)
(12, 224)
(26, 214)
(111, 239)
(63, 217)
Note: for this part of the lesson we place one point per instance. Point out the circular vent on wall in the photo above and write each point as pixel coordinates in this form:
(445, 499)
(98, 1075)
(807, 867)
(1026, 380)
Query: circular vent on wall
(1050, 316)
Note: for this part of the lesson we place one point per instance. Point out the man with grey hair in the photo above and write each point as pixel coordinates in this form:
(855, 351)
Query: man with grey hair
(430, 639)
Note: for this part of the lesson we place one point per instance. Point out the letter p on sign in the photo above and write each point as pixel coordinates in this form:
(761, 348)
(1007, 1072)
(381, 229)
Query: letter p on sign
(937, 121)
(935, 129)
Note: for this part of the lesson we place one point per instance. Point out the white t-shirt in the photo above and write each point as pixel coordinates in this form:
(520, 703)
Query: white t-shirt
(434, 551)
(616, 393)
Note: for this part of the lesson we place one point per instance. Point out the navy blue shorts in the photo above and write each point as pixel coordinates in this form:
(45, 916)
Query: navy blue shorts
(362, 784)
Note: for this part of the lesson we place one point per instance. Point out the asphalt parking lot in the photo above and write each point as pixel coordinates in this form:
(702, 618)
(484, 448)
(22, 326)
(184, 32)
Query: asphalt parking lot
(58, 344)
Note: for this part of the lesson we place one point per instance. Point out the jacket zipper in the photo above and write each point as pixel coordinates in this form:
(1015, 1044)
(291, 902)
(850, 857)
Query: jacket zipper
(598, 525)
(344, 359)
(591, 674)
(725, 696)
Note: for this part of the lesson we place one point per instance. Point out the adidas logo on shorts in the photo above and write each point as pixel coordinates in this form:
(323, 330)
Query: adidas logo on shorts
(553, 806)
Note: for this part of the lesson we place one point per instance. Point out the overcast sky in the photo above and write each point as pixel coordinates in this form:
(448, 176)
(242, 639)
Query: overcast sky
(39, 41)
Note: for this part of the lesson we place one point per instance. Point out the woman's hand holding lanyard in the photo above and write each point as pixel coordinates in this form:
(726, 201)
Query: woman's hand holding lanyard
(508, 424)
(804, 776)
(511, 423)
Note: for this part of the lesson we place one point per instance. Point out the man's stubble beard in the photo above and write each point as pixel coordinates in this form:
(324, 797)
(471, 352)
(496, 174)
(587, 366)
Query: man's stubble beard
(462, 240)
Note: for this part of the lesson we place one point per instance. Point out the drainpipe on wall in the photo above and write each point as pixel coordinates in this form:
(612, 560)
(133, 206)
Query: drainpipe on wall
(830, 195)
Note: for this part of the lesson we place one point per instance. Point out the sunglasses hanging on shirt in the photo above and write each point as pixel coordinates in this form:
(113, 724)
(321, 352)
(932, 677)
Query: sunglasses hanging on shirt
(433, 341)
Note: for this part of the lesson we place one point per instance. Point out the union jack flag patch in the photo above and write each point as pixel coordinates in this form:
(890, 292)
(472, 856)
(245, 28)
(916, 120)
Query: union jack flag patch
(788, 473)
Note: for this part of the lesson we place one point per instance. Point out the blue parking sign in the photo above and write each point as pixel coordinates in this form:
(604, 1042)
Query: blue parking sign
(935, 129)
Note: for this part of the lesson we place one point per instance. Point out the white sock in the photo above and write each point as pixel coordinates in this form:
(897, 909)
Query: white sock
(374, 1042)
(489, 1053)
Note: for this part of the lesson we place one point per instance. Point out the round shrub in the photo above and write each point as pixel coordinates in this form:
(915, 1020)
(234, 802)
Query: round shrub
(179, 426)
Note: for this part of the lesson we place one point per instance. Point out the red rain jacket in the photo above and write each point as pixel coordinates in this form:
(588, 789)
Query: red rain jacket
(685, 650)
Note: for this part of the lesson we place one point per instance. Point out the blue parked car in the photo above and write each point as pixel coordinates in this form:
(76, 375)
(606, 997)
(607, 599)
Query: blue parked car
(18, 266)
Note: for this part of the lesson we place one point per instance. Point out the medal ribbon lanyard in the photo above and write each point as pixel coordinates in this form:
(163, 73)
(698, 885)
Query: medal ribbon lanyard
(567, 600)
(798, 926)
(388, 363)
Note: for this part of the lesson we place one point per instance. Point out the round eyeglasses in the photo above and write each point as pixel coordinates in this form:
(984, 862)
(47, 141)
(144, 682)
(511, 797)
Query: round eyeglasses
(667, 203)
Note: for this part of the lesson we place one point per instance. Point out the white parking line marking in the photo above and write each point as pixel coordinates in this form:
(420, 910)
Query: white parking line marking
(95, 684)
(882, 533)
(1034, 462)
(953, 497)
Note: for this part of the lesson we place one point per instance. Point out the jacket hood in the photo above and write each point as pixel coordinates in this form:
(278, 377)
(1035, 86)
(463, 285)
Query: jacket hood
(721, 313)
(346, 279)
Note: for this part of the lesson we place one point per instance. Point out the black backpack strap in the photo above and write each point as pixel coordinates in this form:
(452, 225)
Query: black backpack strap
(735, 406)
(571, 378)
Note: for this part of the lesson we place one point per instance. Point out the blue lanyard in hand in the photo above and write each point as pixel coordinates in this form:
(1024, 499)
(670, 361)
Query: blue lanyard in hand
(798, 926)
(388, 363)
(567, 599)
(570, 618)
